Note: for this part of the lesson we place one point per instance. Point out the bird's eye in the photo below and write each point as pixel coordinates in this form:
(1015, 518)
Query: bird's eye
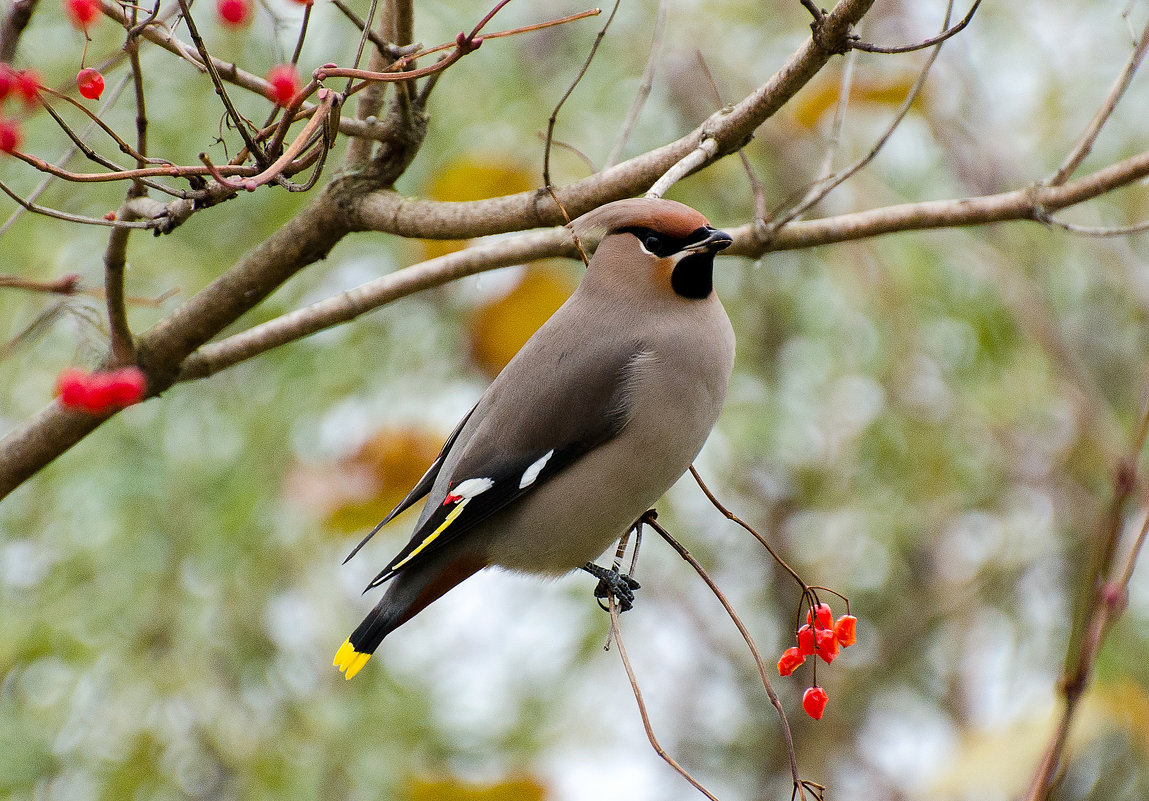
(652, 243)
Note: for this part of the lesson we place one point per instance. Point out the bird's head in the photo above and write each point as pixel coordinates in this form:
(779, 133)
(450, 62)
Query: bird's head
(648, 241)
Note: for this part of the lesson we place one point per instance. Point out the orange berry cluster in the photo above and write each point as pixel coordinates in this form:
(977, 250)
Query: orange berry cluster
(821, 636)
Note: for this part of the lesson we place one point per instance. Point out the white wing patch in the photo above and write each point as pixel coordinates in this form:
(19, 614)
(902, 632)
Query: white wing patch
(531, 474)
(471, 487)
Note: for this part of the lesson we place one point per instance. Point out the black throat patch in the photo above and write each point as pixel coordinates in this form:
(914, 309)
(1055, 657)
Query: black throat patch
(693, 276)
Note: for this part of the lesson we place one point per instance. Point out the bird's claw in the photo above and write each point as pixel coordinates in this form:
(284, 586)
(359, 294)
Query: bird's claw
(612, 582)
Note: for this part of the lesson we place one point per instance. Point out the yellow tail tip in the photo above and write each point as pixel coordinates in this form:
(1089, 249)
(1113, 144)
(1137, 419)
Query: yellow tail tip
(349, 661)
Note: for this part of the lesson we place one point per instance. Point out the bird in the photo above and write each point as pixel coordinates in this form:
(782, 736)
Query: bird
(590, 423)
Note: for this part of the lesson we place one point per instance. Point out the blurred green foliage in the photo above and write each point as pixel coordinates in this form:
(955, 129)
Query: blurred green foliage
(928, 423)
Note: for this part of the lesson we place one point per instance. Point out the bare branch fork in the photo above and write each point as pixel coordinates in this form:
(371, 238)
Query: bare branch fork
(354, 203)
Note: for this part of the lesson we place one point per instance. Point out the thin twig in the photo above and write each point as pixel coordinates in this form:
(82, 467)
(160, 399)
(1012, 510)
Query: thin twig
(731, 516)
(304, 139)
(368, 23)
(66, 156)
(707, 149)
(64, 285)
(839, 123)
(616, 633)
(644, 86)
(1096, 231)
(12, 27)
(1093, 129)
(561, 145)
(164, 171)
(237, 120)
(826, 184)
(76, 218)
(922, 45)
(41, 322)
(756, 187)
(570, 89)
(384, 47)
(762, 671)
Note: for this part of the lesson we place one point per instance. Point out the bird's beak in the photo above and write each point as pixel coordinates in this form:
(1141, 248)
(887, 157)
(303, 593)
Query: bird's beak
(715, 241)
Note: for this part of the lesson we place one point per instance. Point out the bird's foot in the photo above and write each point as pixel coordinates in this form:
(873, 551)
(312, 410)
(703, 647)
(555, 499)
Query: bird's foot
(612, 582)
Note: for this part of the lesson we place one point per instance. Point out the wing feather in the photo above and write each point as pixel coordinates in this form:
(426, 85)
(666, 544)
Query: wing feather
(582, 411)
(421, 488)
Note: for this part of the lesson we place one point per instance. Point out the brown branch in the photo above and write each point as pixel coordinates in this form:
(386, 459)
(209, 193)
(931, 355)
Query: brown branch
(1029, 203)
(395, 25)
(384, 47)
(710, 496)
(302, 140)
(756, 187)
(340, 209)
(348, 305)
(122, 345)
(302, 240)
(62, 215)
(64, 285)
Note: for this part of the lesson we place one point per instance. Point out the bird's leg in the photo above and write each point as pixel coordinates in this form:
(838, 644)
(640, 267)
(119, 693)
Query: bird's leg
(612, 582)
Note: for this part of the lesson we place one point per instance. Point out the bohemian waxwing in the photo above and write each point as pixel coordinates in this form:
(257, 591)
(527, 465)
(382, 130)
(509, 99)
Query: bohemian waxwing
(602, 410)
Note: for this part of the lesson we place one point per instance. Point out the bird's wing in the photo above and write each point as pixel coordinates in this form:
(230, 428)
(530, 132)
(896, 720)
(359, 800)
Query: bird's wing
(420, 489)
(529, 434)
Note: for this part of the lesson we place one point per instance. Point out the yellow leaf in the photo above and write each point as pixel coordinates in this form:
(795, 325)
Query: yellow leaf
(357, 491)
(823, 97)
(500, 328)
(475, 177)
(522, 788)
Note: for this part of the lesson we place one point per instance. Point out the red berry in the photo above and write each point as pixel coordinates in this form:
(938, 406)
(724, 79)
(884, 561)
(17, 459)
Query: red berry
(100, 393)
(814, 702)
(90, 83)
(846, 630)
(234, 13)
(10, 136)
(126, 386)
(7, 80)
(825, 617)
(72, 388)
(827, 645)
(791, 659)
(82, 12)
(806, 641)
(28, 85)
(284, 82)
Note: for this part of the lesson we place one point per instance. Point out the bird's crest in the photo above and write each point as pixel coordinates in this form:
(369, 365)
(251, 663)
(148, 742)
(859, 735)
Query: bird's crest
(665, 216)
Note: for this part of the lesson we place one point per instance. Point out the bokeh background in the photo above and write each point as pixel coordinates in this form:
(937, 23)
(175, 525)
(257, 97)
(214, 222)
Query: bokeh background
(928, 423)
